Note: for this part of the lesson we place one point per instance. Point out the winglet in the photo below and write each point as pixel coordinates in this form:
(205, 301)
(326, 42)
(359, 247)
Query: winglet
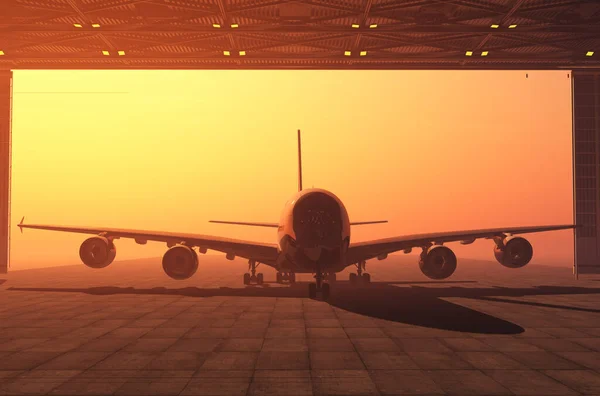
(21, 224)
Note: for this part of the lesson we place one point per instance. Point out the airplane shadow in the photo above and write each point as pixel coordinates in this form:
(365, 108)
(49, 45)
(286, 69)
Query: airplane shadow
(414, 305)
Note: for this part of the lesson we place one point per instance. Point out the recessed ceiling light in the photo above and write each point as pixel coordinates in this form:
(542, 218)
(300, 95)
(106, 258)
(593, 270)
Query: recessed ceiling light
(355, 25)
(121, 53)
(226, 53)
(95, 25)
(1, 53)
(512, 26)
(363, 53)
(590, 53)
(77, 25)
(495, 26)
(373, 25)
(347, 53)
(216, 25)
(242, 53)
(484, 53)
(105, 53)
(469, 53)
(234, 25)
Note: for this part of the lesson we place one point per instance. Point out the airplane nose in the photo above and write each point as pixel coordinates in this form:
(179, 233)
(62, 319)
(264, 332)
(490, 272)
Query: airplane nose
(314, 253)
(321, 250)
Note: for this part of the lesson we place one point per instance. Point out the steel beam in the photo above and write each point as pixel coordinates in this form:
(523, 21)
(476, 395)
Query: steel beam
(585, 90)
(252, 62)
(5, 167)
(143, 28)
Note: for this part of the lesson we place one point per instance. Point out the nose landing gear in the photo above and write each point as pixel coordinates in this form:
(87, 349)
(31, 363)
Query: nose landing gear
(319, 286)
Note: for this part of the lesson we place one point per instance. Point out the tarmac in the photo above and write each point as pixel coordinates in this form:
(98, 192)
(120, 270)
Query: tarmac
(130, 330)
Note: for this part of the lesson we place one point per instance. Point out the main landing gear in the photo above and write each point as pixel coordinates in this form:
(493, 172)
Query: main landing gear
(286, 276)
(253, 277)
(360, 277)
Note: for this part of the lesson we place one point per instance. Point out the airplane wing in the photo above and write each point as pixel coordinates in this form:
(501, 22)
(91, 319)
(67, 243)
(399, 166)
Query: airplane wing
(260, 252)
(275, 225)
(272, 225)
(362, 251)
(368, 222)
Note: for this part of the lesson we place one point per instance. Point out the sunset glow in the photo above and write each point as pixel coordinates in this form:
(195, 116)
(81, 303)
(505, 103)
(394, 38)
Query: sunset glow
(170, 150)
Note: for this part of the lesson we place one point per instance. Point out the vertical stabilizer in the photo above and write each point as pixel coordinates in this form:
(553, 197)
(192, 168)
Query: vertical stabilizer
(299, 162)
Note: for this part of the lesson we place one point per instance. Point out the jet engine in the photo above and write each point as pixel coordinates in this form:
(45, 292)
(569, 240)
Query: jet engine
(438, 262)
(180, 262)
(97, 252)
(515, 253)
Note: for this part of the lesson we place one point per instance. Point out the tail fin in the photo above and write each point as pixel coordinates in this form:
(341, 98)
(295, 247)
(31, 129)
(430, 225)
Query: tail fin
(299, 162)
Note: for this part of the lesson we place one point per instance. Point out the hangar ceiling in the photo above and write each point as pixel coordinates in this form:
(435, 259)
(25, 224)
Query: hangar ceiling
(307, 34)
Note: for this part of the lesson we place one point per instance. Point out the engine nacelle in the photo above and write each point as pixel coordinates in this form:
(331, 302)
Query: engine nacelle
(180, 262)
(97, 252)
(438, 263)
(516, 253)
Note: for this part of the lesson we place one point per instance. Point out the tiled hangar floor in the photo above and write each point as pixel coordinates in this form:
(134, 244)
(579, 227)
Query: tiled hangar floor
(130, 330)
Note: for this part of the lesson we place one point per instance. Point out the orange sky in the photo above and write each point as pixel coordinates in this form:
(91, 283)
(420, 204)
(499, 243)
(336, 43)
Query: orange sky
(429, 151)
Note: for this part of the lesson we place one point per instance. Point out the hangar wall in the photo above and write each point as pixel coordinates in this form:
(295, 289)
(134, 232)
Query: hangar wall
(586, 168)
(5, 166)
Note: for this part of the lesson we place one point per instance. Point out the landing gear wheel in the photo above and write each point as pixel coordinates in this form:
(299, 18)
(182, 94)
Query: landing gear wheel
(331, 277)
(246, 279)
(279, 280)
(353, 279)
(325, 291)
(292, 277)
(312, 290)
(253, 278)
(366, 278)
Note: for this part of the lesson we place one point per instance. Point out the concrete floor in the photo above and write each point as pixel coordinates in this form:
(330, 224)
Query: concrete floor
(130, 330)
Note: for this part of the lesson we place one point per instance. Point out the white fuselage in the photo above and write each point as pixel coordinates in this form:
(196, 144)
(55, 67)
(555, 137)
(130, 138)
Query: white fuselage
(313, 232)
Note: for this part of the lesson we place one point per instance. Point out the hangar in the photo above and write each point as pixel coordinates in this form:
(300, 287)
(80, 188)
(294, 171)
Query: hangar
(318, 34)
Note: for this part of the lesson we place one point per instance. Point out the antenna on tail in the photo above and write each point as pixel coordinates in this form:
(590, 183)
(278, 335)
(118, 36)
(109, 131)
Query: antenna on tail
(299, 162)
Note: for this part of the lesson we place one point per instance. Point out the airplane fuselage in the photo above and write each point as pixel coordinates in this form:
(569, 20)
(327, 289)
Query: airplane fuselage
(313, 233)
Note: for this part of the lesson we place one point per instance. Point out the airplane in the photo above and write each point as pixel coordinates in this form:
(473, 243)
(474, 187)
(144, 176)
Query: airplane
(313, 236)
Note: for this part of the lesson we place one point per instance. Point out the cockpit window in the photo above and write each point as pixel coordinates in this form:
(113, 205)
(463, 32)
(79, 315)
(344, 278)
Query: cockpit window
(317, 219)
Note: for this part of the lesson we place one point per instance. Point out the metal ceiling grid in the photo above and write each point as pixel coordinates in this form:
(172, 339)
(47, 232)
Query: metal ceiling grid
(303, 34)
